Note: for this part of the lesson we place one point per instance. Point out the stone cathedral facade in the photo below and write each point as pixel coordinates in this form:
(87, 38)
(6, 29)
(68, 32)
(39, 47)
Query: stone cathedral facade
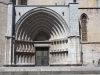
(49, 33)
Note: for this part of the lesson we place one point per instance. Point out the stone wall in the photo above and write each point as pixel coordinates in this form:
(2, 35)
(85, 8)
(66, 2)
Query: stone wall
(3, 28)
(46, 2)
(5, 1)
(82, 3)
(93, 34)
(89, 55)
(87, 3)
(98, 3)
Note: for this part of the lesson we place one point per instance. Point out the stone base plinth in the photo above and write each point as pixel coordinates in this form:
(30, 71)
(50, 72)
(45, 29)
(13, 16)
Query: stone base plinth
(62, 70)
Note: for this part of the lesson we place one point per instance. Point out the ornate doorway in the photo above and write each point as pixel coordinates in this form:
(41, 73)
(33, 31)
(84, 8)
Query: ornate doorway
(42, 56)
(38, 34)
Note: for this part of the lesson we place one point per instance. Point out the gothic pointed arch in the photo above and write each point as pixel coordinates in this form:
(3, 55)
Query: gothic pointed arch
(41, 36)
(84, 19)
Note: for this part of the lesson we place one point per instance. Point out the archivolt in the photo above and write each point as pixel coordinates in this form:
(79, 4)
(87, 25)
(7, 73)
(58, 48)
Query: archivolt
(41, 19)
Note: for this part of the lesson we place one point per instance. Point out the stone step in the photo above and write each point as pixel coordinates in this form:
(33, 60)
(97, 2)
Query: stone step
(50, 70)
(52, 73)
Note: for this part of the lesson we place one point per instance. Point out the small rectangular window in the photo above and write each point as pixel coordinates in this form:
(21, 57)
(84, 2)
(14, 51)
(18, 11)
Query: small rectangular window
(22, 2)
(74, 0)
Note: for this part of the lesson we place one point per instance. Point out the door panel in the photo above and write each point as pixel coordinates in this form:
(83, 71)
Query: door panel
(38, 57)
(42, 56)
(45, 57)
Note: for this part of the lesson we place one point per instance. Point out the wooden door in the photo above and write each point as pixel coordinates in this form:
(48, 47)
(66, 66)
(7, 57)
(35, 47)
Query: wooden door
(42, 56)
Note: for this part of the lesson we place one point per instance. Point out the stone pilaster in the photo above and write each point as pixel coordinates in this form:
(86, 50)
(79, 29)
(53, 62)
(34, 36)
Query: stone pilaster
(73, 40)
(8, 58)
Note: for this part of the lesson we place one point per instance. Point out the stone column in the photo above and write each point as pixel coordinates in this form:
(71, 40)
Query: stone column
(19, 46)
(28, 59)
(9, 53)
(33, 57)
(52, 58)
(33, 48)
(23, 46)
(29, 46)
(61, 45)
(13, 52)
(56, 45)
(26, 46)
(53, 46)
(22, 58)
(50, 61)
(65, 56)
(65, 45)
(19, 59)
(16, 59)
(25, 59)
(58, 58)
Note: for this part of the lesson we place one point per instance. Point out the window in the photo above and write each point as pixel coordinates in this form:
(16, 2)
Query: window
(74, 0)
(84, 27)
(22, 2)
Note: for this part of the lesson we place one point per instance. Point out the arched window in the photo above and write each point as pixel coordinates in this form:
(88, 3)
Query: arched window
(84, 27)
